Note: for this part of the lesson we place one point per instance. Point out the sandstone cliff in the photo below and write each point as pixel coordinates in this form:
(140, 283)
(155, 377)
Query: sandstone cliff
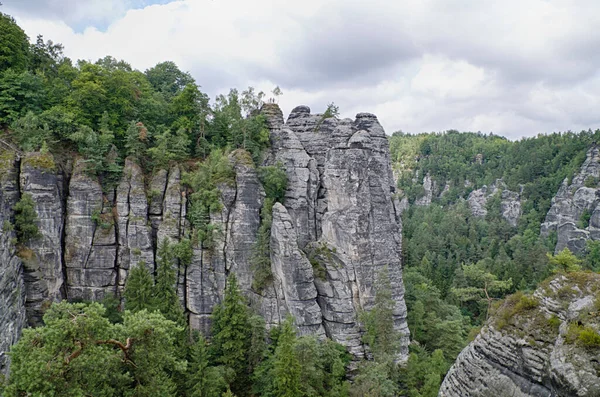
(575, 215)
(510, 202)
(543, 345)
(336, 232)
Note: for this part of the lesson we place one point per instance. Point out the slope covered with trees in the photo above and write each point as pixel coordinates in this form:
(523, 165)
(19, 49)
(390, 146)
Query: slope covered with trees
(457, 266)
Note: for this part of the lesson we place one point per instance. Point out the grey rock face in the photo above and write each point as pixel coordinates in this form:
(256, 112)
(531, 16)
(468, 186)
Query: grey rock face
(244, 220)
(134, 230)
(429, 186)
(510, 204)
(90, 239)
(530, 353)
(341, 184)
(571, 202)
(12, 286)
(43, 264)
(336, 232)
(293, 275)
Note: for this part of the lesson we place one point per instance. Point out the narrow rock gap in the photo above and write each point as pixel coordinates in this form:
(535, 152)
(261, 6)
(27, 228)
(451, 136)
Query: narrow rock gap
(63, 234)
(117, 246)
(226, 234)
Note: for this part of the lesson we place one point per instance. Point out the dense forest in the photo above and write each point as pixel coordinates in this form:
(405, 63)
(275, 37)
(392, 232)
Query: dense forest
(456, 266)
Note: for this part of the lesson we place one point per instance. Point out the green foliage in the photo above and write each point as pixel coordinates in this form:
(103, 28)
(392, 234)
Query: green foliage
(104, 221)
(80, 352)
(332, 111)
(25, 219)
(165, 287)
(230, 128)
(584, 219)
(274, 181)
(591, 182)
(480, 286)
(136, 140)
(424, 373)
(139, 289)
(31, 132)
(301, 366)
(514, 305)
(232, 336)
(433, 323)
(538, 165)
(286, 366)
(261, 255)
(204, 380)
(205, 197)
(565, 261)
(14, 45)
(592, 257)
(96, 148)
(374, 380)
(583, 335)
(170, 147)
(380, 334)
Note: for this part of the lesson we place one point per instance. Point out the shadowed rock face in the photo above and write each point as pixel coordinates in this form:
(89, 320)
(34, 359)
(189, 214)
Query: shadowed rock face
(532, 350)
(12, 286)
(571, 202)
(338, 216)
(510, 202)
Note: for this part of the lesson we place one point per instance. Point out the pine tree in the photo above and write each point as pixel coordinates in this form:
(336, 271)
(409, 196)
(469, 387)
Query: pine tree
(165, 289)
(232, 336)
(139, 289)
(203, 380)
(286, 369)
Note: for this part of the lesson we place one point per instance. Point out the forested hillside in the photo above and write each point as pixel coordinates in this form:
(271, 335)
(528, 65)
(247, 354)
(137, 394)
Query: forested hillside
(458, 264)
(155, 242)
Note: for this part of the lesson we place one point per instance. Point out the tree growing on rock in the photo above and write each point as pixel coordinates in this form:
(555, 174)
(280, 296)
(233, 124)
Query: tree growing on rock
(565, 261)
(25, 219)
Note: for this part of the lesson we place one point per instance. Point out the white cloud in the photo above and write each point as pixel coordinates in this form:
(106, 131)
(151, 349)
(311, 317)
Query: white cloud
(517, 67)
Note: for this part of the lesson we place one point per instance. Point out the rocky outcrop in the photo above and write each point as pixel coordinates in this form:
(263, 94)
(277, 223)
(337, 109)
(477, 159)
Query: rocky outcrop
(90, 239)
(510, 202)
(337, 231)
(12, 286)
(42, 256)
(429, 185)
(542, 345)
(575, 213)
(341, 186)
(293, 275)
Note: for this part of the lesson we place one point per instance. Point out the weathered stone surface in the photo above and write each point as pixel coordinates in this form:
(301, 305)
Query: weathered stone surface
(353, 214)
(206, 274)
(90, 240)
(12, 287)
(44, 276)
(293, 275)
(340, 195)
(510, 202)
(303, 182)
(571, 202)
(530, 353)
(134, 231)
(244, 219)
(429, 186)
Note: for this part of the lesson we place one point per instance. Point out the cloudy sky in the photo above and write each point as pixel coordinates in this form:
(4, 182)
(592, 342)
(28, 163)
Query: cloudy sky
(512, 67)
